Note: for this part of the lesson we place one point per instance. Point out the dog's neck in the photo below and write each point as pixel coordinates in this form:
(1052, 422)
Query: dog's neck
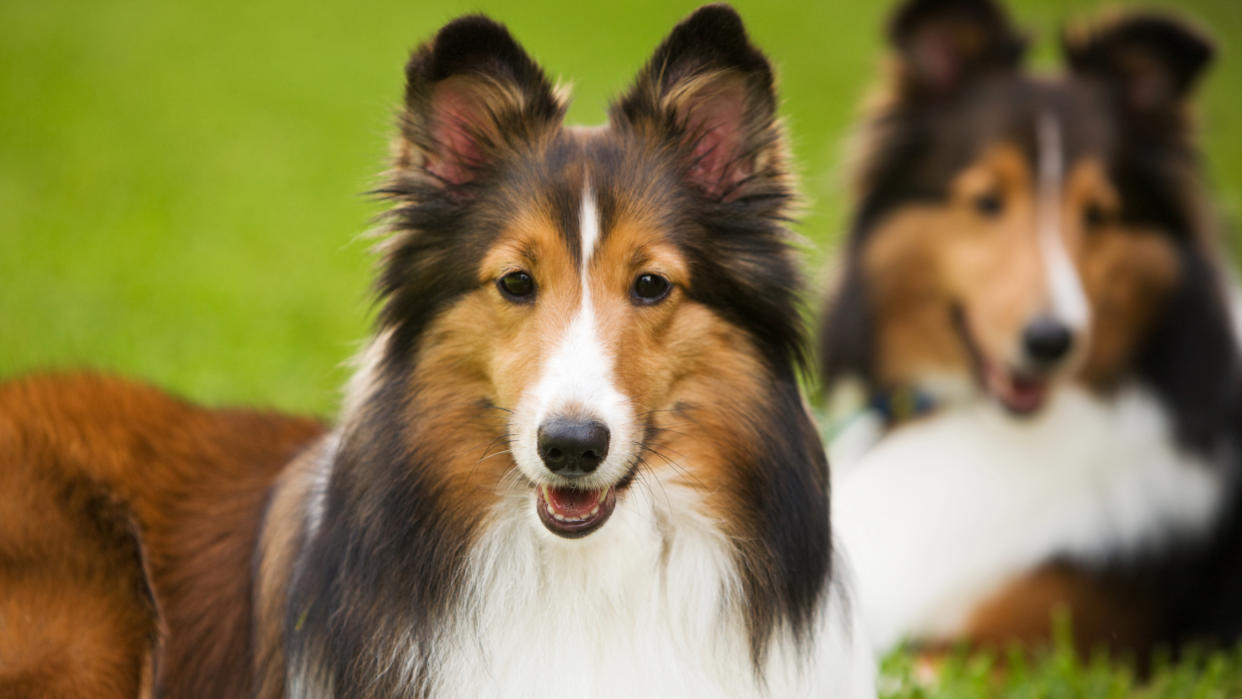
(656, 588)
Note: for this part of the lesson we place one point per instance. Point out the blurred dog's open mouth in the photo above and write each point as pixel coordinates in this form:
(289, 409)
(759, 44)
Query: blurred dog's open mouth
(1021, 393)
(572, 512)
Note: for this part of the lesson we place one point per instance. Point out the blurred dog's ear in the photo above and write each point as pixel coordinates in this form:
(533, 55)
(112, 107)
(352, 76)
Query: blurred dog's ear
(708, 93)
(942, 45)
(472, 95)
(1150, 62)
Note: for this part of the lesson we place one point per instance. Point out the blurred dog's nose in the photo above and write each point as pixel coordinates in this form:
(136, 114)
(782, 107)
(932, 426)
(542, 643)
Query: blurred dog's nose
(1047, 340)
(572, 448)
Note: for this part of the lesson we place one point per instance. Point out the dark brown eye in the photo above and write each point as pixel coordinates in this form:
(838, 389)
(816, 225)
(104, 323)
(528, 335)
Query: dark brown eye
(1094, 216)
(650, 288)
(518, 287)
(990, 205)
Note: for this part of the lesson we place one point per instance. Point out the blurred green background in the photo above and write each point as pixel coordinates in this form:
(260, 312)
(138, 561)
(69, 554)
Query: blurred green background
(181, 182)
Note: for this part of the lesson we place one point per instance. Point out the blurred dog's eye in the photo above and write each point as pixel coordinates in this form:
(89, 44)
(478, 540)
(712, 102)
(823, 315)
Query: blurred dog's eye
(990, 205)
(1094, 216)
(650, 288)
(518, 287)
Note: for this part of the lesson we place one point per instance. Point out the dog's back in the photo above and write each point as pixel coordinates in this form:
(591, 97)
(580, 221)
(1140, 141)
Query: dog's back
(126, 511)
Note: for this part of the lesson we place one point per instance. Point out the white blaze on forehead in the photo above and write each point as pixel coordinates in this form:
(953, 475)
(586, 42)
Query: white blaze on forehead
(1069, 302)
(576, 378)
(588, 224)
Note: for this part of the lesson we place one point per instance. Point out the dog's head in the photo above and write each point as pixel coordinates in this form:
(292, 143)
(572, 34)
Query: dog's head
(1013, 230)
(562, 305)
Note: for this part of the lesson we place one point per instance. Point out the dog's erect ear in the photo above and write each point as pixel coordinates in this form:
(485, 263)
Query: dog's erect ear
(1150, 61)
(471, 95)
(943, 44)
(709, 92)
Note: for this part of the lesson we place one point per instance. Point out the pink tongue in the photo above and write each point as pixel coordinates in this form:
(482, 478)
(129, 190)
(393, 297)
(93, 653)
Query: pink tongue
(1027, 387)
(572, 503)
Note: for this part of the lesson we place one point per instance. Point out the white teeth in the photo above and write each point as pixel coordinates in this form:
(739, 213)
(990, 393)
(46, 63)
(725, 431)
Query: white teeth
(547, 500)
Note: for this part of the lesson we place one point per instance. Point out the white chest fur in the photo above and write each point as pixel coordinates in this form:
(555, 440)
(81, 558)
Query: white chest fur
(941, 512)
(645, 607)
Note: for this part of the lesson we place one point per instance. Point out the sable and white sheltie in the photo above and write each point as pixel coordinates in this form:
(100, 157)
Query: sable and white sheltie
(574, 460)
(1035, 305)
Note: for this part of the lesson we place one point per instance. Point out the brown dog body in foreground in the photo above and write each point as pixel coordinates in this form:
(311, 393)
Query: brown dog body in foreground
(111, 490)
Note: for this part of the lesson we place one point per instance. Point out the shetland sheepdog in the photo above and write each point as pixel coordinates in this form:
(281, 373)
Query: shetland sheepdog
(1034, 314)
(574, 459)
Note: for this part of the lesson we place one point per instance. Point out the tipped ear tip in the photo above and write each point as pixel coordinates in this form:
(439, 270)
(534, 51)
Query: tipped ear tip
(711, 36)
(469, 32)
(716, 25)
(1185, 47)
(907, 17)
(460, 46)
(718, 16)
(1188, 41)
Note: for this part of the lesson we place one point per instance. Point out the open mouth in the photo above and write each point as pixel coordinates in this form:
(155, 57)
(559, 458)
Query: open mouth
(573, 513)
(1021, 393)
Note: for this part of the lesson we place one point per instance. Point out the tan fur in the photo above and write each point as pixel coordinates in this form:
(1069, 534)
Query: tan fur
(1107, 613)
(193, 481)
(507, 341)
(76, 615)
(282, 537)
(721, 371)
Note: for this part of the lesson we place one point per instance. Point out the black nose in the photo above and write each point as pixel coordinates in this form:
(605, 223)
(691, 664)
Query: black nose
(1047, 339)
(572, 447)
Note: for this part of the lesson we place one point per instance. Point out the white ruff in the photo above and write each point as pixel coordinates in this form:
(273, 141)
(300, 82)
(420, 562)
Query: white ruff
(943, 512)
(644, 607)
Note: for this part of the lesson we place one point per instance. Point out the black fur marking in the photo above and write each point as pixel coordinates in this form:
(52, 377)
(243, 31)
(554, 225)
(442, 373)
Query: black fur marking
(1191, 360)
(784, 577)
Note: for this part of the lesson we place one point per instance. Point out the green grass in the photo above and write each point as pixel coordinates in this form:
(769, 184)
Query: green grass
(180, 182)
(1059, 673)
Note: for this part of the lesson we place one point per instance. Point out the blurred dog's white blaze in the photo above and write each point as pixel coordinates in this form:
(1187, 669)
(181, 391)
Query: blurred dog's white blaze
(1068, 299)
(577, 380)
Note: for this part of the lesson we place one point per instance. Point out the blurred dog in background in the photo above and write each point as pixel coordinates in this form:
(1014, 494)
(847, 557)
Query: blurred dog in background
(1034, 312)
